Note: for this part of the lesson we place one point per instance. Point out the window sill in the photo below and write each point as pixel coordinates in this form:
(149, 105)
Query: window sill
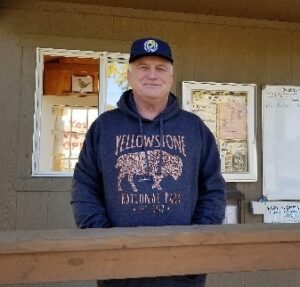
(43, 183)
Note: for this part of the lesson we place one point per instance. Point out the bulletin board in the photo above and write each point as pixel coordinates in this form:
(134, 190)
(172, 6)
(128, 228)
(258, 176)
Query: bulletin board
(281, 142)
(228, 110)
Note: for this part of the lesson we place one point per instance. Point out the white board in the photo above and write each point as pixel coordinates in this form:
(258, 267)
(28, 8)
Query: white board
(281, 142)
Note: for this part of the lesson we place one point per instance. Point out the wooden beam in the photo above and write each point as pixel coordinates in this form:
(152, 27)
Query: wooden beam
(72, 255)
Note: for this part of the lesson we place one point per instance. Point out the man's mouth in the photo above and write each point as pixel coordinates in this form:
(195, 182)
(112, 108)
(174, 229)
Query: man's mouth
(152, 85)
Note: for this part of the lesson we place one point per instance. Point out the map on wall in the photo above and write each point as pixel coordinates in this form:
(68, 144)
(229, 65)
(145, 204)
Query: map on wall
(228, 111)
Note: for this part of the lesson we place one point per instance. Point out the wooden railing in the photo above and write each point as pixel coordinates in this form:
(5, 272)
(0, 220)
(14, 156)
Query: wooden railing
(72, 255)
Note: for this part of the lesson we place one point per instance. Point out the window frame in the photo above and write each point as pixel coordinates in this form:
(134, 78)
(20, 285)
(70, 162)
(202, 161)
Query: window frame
(104, 59)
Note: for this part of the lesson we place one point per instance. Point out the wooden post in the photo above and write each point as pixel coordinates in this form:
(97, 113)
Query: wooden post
(72, 255)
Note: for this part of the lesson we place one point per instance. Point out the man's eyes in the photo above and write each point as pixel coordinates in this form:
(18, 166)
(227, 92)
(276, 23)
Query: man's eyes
(161, 68)
(143, 67)
(158, 68)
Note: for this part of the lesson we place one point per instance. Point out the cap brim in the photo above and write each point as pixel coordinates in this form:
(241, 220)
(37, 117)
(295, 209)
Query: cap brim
(134, 58)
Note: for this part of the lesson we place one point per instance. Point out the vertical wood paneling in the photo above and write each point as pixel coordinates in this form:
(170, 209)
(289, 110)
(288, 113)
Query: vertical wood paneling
(296, 58)
(279, 278)
(10, 63)
(232, 54)
(32, 210)
(275, 278)
(256, 279)
(60, 214)
(126, 28)
(256, 55)
(212, 280)
(74, 26)
(180, 37)
(279, 57)
(295, 278)
(98, 26)
(183, 70)
(26, 112)
(231, 279)
(37, 21)
(26, 21)
(11, 20)
(206, 53)
(179, 33)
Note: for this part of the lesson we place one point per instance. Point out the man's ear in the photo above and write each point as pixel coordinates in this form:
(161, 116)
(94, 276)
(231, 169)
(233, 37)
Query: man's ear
(128, 75)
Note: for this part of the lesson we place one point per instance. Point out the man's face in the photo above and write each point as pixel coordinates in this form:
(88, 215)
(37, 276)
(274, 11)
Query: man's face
(151, 77)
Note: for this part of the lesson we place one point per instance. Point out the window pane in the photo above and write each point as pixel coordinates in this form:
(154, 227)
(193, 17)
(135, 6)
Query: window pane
(76, 144)
(63, 124)
(68, 138)
(79, 120)
(116, 82)
(92, 115)
(61, 164)
(73, 163)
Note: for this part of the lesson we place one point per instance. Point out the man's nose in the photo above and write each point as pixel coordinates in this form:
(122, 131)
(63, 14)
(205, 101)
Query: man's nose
(152, 73)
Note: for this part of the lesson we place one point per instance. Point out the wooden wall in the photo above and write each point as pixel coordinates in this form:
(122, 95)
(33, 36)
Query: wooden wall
(218, 49)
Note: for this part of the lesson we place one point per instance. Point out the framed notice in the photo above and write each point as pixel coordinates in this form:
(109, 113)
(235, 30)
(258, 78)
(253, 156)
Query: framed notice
(228, 110)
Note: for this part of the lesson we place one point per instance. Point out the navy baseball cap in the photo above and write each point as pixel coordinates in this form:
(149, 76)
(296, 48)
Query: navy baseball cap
(150, 47)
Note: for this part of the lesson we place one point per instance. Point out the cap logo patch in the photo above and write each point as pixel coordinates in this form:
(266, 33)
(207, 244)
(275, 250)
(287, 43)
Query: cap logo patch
(150, 46)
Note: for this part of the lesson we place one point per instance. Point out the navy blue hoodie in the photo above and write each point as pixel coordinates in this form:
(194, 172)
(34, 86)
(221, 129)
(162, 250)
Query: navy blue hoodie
(138, 172)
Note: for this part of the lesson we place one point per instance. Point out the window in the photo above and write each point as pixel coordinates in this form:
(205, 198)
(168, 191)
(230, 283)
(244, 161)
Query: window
(72, 89)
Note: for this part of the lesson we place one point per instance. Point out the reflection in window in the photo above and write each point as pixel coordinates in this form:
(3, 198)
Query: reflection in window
(116, 82)
(69, 130)
(72, 89)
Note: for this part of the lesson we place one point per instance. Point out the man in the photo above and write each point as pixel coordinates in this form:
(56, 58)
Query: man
(149, 163)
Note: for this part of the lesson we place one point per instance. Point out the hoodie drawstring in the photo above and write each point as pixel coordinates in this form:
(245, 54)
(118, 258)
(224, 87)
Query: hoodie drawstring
(144, 147)
(161, 134)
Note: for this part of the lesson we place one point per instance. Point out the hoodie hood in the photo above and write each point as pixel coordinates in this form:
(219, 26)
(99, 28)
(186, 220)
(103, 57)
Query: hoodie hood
(127, 105)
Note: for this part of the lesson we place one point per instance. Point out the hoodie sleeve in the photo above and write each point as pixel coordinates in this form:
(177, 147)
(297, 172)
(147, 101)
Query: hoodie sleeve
(87, 186)
(210, 206)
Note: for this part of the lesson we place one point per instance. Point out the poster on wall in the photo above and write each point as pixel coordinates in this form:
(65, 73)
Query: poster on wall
(228, 110)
